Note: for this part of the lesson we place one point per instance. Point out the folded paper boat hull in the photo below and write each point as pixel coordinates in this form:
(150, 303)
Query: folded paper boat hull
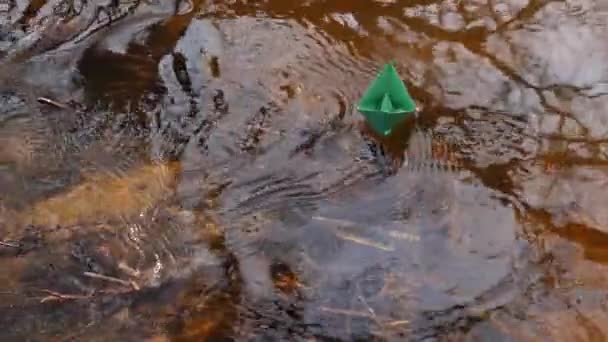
(386, 102)
(384, 123)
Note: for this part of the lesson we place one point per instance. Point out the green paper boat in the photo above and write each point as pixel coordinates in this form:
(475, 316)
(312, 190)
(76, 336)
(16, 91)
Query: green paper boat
(386, 102)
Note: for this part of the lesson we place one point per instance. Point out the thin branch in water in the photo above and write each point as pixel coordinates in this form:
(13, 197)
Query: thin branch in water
(9, 244)
(364, 241)
(398, 323)
(55, 296)
(364, 302)
(112, 279)
(377, 319)
(403, 236)
(128, 270)
(373, 316)
(47, 101)
(352, 237)
(344, 312)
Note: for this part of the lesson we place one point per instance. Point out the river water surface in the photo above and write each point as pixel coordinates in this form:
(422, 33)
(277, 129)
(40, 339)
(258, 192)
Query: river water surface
(197, 171)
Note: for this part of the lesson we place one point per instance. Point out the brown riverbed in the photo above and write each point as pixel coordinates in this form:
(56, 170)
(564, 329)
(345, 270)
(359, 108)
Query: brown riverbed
(197, 171)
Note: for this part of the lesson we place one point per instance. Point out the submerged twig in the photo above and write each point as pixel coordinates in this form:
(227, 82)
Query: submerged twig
(340, 222)
(364, 241)
(61, 296)
(344, 312)
(364, 302)
(403, 236)
(9, 244)
(112, 279)
(381, 321)
(47, 101)
(372, 312)
(128, 270)
(352, 237)
(398, 323)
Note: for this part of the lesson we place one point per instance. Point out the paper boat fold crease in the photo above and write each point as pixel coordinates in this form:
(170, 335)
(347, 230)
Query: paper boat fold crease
(386, 102)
